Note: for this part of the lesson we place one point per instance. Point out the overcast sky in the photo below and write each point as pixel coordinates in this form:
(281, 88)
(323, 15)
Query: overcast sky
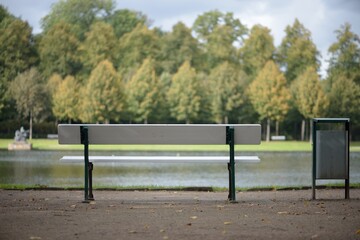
(321, 17)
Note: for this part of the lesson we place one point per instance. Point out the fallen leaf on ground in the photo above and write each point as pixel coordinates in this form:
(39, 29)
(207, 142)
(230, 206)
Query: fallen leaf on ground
(193, 217)
(282, 212)
(227, 223)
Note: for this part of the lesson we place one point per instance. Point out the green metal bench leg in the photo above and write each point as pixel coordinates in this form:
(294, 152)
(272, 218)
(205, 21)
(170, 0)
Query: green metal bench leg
(91, 167)
(231, 164)
(85, 142)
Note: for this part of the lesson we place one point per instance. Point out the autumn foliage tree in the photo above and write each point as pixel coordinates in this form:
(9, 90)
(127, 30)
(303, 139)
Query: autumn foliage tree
(184, 94)
(29, 93)
(103, 98)
(212, 71)
(17, 51)
(99, 45)
(309, 97)
(58, 50)
(66, 100)
(258, 48)
(142, 92)
(270, 95)
(297, 51)
(225, 91)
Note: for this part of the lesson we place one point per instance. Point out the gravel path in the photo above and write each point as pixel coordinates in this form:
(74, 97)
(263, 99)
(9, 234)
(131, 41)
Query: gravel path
(179, 215)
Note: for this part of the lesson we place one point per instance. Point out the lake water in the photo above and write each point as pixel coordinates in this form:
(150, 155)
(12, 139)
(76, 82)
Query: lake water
(275, 169)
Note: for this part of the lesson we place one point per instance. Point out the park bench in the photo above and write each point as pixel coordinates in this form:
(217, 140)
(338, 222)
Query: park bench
(164, 134)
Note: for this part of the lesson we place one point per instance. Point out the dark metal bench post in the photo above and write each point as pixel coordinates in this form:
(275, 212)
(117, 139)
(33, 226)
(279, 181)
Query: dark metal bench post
(347, 180)
(91, 167)
(231, 165)
(85, 141)
(313, 185)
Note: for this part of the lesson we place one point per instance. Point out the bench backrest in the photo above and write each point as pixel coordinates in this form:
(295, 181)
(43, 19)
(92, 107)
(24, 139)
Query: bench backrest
(182, 134)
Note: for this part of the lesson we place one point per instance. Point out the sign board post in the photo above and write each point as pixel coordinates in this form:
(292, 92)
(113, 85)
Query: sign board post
(331, 140)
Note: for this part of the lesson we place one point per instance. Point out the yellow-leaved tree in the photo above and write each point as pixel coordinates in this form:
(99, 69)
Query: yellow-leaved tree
(309, 96)
(103, 98)
(65, 99)
(269, 95)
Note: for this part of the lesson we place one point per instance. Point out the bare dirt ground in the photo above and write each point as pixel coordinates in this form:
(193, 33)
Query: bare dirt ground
(179, 215)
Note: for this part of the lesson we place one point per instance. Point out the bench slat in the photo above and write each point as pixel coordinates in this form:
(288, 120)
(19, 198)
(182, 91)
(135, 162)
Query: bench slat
(188, 134)
(162, 159)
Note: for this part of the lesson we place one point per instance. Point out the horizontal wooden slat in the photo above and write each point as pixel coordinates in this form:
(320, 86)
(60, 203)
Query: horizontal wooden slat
(159, 133)
(161, 159)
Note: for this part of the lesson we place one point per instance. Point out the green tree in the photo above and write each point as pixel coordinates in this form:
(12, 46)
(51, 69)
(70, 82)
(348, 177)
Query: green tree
(226, 91)
(142, 92)
(53, 83)
(79, 13)
(4, 13)
(179, 46)
(184, 94)
(309, 97)
(30, 95)
(98, 46)
(297, 51)
(103, 96)
(66, 99)
(206, 23)
(59, 51)
(162, 112)
(136, 46)
(125, 20)
(269, 95)
(257, 50)
(218, 33)
(344, 98)
(219, 47)
(17, 51)
(345, 55)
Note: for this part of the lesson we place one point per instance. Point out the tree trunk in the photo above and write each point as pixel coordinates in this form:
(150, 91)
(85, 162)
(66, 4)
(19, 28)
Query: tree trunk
(268, 130)
(31, 126)
(303, 130)
(277, 128)
(226, 120)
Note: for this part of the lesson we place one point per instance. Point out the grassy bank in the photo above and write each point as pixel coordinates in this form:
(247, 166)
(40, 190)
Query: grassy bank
(280, 146)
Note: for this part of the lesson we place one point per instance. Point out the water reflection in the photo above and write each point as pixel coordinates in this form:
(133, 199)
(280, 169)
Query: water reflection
(275, 169)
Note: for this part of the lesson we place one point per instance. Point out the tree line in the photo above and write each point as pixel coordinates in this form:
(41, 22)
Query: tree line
(96, 64)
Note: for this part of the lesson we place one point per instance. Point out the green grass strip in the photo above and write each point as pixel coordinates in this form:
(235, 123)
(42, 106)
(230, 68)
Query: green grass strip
(274, 146)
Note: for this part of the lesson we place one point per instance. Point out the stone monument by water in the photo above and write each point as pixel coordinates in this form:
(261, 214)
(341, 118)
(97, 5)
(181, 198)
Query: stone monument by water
(20, 142)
